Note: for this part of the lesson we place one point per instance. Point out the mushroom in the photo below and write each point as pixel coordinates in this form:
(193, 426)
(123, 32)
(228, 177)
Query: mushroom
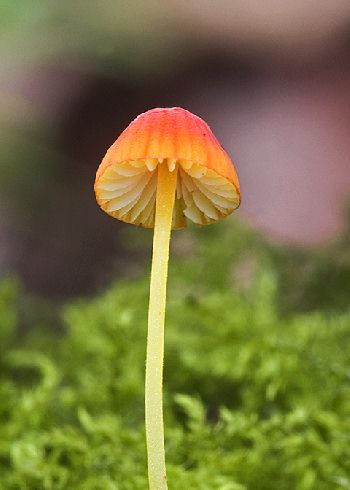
(166, 168)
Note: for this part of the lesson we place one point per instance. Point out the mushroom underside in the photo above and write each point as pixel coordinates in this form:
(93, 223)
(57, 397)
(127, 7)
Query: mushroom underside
(127, 191)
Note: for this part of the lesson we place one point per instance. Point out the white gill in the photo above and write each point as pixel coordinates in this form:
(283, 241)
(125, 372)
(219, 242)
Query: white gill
(127, 191)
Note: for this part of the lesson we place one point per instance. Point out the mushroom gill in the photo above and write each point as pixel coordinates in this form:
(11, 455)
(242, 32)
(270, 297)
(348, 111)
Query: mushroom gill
(127, 191)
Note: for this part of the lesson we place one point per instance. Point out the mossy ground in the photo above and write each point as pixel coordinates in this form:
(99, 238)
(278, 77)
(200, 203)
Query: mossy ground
(256, 381)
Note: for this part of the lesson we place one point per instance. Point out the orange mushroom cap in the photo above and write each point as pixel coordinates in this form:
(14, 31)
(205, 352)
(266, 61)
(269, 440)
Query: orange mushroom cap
(207, 182)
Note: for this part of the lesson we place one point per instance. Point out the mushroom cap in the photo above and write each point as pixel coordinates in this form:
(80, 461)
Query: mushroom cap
(207, 182)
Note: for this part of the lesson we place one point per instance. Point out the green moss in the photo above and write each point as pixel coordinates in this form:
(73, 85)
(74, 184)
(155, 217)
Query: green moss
(254, 399)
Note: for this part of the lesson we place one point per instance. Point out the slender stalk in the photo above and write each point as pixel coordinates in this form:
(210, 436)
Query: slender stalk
(155, 340)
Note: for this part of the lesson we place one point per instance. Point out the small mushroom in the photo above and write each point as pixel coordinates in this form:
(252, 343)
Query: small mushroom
(166, 168)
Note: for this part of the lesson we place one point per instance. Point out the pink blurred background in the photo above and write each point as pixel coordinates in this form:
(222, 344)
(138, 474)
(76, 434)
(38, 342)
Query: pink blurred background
(271, 78)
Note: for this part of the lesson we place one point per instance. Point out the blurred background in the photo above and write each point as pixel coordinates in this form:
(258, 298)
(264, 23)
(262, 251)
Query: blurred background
(271, 78)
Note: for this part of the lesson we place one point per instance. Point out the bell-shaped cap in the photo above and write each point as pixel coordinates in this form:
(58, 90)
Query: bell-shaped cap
(207, 183)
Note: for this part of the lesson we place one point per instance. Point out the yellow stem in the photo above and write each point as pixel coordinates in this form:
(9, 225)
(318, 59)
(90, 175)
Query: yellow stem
(155, 340)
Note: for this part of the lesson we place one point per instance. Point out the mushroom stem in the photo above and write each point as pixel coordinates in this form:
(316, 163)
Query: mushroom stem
(155, 340)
